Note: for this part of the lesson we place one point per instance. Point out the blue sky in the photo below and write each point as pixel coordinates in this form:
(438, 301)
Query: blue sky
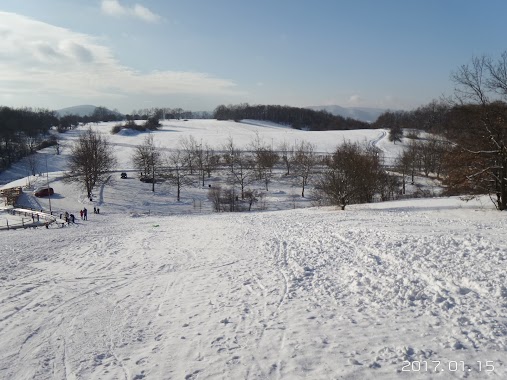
(197, 54)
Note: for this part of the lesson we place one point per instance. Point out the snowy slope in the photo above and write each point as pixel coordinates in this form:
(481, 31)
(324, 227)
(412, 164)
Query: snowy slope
(313, 293)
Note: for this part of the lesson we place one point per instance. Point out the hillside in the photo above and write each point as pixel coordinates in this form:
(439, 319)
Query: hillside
(312, 293)
(215, 133)
(155, 288)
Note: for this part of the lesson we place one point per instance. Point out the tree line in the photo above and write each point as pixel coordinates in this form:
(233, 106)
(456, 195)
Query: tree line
(298, 118)
(22, 132)
(167, 113)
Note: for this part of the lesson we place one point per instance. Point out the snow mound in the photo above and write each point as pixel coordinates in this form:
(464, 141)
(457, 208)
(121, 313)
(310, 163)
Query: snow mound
(128, 132)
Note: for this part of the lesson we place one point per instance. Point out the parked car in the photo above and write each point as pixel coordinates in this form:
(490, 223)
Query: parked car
(124, 175)
(147, 179)
(43, 191)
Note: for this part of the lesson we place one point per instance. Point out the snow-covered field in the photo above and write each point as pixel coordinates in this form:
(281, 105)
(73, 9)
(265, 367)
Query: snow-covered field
(404, 289)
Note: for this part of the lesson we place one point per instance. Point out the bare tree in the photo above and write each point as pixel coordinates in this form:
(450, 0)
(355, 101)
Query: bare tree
(210, 159)
(482, 82)
(252, 196)
(190, 152)
(179, 175)
(404, 165)
(264, 160)
(287, 155)
(305, 160)
(239, 166)
(148, 160)
(90, 160)
(354, 175)
(204, 158)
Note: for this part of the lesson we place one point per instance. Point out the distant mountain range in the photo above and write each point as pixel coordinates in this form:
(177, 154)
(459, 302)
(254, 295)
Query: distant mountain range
(369, 115)
(82, 110)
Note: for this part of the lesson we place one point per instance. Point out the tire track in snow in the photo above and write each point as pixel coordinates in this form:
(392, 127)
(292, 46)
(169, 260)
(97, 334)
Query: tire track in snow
(282, 258)
(268, 321)
(112, 345)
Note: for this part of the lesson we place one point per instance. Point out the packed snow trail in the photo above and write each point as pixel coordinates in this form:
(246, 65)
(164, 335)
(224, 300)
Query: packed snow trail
(314, 293)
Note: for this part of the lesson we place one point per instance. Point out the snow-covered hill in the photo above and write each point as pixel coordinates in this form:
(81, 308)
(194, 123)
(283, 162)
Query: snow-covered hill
(152, 288)
(313, 293)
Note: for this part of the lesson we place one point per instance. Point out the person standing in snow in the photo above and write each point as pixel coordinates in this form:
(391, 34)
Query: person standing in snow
(85, 214)
(80, 213)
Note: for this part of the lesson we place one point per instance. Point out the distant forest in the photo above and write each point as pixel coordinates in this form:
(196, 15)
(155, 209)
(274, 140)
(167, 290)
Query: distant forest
(298, 118)
(22, 132)
(445, 119)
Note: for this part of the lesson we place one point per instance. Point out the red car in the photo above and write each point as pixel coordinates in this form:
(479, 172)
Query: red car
(43, 191)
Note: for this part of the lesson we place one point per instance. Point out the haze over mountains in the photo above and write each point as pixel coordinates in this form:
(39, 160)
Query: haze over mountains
(369, 115)
(365, 114)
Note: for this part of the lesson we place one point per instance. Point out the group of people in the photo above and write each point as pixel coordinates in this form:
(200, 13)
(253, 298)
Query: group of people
(69, 218)
(84, 212)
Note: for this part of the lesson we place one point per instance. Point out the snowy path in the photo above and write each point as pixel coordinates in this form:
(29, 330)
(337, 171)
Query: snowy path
(302, 294)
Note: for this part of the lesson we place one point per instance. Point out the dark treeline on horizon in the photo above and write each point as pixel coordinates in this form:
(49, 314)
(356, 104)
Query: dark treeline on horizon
(166, 113)
(298, 118)
(441, 118)
(23, 131)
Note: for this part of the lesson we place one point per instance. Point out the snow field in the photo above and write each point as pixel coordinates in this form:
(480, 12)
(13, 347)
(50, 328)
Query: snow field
(313, 293)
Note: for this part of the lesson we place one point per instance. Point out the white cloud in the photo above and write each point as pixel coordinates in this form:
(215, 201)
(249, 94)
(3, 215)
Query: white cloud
(114, 8)
(355, 100)
(36, 57)
(144, 13)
